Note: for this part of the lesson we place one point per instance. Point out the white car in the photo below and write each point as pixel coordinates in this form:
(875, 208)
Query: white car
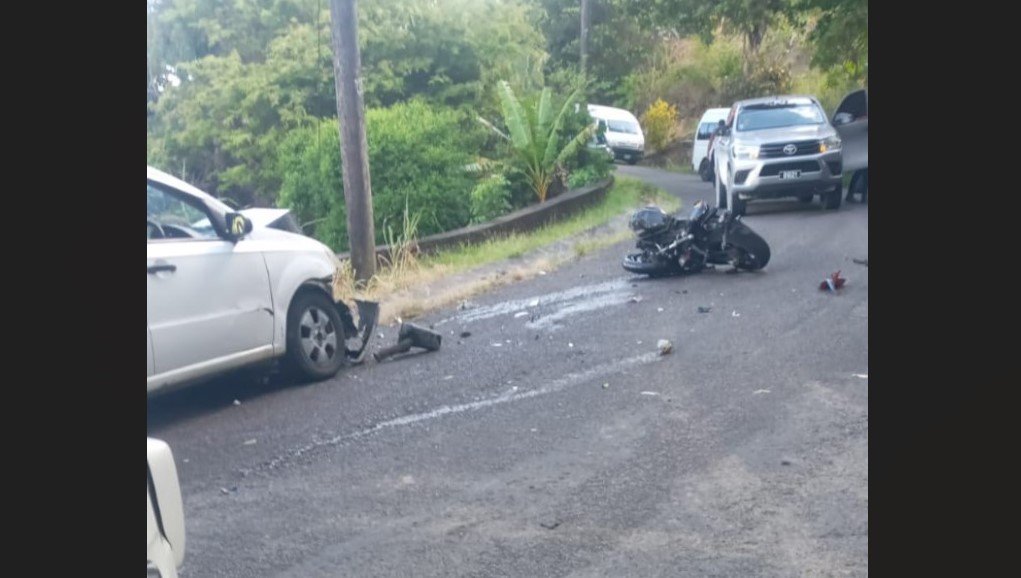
(222, 294)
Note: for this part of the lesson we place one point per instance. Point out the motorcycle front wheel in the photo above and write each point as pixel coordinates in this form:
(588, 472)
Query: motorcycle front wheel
(645, 263)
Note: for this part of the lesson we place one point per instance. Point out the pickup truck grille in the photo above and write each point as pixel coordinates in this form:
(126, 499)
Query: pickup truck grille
(775, 150)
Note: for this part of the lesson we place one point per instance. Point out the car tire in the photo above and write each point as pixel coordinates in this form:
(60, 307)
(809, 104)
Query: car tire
(315, 337)
(859, 186)
(831, 200)
(738, 206)
(704, 171)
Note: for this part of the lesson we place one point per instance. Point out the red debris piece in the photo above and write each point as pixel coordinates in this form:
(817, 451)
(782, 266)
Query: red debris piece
(833, 282)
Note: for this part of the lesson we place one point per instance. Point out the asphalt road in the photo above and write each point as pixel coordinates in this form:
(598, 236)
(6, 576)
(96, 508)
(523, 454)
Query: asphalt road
(554, 440)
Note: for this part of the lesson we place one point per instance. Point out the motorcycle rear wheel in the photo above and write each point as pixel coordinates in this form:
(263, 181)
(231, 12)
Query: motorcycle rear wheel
(752, 254)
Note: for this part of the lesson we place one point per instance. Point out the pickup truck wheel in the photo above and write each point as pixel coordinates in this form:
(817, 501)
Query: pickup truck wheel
(738, 206)
(831, 200)
(315, 337)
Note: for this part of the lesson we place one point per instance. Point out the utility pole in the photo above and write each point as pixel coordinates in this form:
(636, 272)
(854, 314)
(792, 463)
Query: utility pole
(584, 38)
(354, 148)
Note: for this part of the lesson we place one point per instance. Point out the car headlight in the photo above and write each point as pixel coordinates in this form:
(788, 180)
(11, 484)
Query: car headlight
(746, 151)
(830, 144)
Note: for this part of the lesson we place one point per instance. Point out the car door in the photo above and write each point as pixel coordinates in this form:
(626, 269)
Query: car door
(851, 120)
(721, 147)
(208, 304)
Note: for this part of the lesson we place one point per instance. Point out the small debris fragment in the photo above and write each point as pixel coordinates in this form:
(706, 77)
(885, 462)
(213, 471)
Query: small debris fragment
(549, 525)
(570, 345)
(185, 460)
(685, 291)
(832, 283)
(606, 386)
(649, 393)
(533, 430)
(664, 346)
(228, 491)
(639, 342)
(542, 272)
(735, 313)
(448, 377)
(660, 309)
(520, 314)
(635, 299)
(237, 402)
(534, 303)
(703, 309)
(250, 442)
(381, 336)
(861, 262)
(497, 344)
(785, 462)
(758, 391)
(862, 375)
(466, 334)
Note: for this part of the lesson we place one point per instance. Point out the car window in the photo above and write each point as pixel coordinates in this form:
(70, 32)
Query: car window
(171, 215)
(761, 117)
(706, 130)
(623, 126)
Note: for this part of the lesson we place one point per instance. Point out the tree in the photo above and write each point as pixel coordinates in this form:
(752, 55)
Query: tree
(841, 36)
(535, 136)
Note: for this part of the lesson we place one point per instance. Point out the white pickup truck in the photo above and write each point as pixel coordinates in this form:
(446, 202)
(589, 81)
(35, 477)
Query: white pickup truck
(164, 522)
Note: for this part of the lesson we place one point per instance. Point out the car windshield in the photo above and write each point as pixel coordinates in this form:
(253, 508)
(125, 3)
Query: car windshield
(623, 126)
(766, 116)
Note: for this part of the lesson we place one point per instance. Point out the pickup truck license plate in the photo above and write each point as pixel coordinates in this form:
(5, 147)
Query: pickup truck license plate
(790, 174)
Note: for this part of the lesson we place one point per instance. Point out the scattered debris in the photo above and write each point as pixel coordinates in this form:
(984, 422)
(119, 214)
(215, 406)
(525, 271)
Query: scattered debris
(549, 525)
(534, 303)
(702, 309)
(237, 402)
(861, 262)
(606, 386)
(250, 442)
(660, 309)
(649, 393)
(570, 345)
(734, 313)
(785, 462)
(496, 344)
(533, 430)
(758, 391)
(639, 342)
(448, 377)
(664, 346)
(635, 299)
(833, 282)
(228, 491)
(466, 334)
(411, 335)
(862, 375)
(520, 314)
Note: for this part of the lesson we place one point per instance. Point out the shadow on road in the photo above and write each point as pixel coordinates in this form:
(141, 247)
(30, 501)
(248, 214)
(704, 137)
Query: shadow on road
(211, 396)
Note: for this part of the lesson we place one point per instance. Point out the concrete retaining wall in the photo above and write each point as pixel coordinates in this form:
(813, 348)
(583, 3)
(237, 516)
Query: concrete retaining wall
(520, 221)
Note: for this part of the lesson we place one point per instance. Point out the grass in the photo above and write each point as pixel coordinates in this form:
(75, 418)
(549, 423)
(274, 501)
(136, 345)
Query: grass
(401, 285)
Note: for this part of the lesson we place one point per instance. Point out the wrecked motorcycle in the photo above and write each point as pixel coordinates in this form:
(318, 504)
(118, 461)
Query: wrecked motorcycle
(672, 246)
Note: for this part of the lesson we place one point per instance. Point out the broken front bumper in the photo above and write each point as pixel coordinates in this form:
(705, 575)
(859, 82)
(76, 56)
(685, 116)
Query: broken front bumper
(368, 317)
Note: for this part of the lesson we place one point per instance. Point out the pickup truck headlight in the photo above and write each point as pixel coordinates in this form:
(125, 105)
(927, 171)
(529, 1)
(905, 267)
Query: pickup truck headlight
(746, 151)
(830, 144)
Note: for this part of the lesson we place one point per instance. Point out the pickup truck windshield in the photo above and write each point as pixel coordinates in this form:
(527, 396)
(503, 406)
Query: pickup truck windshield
(762, 117)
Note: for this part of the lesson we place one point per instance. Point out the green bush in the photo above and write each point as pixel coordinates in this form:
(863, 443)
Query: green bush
(490, 198)
(418, 156)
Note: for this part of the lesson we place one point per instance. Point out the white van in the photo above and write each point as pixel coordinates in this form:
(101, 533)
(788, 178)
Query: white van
(620, 131)
(700, 147)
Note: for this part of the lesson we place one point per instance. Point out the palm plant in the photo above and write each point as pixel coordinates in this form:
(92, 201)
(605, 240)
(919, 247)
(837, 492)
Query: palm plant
(535, 136)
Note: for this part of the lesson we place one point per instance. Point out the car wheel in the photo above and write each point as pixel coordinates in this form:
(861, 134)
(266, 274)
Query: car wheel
(315, 337)
(831, 200)
(859, 186)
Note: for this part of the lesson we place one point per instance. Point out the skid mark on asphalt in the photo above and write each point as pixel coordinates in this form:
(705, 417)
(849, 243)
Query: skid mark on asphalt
(512, 395)
(593, 297)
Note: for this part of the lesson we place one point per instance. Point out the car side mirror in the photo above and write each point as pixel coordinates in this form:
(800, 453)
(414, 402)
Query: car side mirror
(842, 118)
(238, 226)
(165, 509)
